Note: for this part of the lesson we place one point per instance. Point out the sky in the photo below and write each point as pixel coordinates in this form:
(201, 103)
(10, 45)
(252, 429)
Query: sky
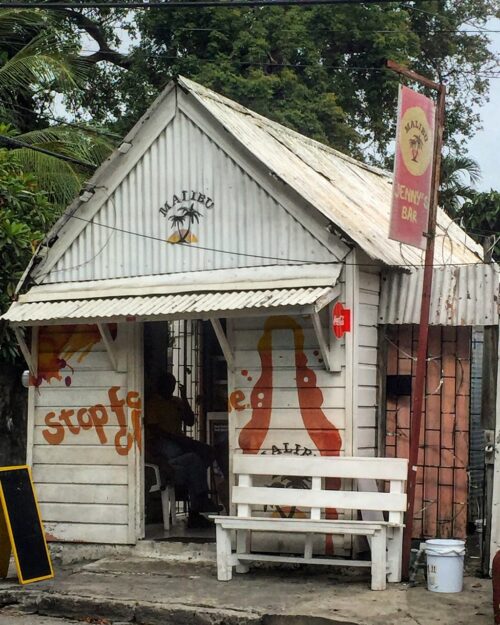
(484, 147)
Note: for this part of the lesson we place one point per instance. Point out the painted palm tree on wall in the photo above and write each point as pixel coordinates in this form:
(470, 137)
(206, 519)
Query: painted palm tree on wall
(186, 216)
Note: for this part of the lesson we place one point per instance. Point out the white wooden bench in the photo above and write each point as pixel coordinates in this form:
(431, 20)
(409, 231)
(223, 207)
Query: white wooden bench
(384, 534)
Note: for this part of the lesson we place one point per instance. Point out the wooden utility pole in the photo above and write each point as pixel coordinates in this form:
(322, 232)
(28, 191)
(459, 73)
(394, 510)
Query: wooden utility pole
(423, 334)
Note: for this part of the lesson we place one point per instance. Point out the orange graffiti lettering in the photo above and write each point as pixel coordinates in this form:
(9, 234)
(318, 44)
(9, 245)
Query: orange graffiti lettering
(57, 436)
(235, 401)
(134, 402)
(85, 424)
(65, 417)
(97, 417)
(122, 448)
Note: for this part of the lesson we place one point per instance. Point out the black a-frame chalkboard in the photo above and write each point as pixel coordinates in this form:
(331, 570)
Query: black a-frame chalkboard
(21, 528)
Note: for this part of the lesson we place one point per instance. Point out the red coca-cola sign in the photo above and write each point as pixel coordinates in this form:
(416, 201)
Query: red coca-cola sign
(341, 319)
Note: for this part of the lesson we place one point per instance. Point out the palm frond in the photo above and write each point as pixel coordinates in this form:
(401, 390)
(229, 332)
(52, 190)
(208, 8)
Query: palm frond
(79, 144)
(60, 180)
(43, 61)
(13, 21)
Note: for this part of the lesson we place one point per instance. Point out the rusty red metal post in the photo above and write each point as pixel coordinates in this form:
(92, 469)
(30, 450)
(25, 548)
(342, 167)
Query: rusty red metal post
(423, 334)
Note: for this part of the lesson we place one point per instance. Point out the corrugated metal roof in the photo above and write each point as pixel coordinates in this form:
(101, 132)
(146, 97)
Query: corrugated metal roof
(354, 196)
(178, 306)
(463, 295)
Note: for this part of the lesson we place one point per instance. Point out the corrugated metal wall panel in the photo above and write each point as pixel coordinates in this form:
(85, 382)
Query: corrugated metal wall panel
(460, 296)
(244, 219)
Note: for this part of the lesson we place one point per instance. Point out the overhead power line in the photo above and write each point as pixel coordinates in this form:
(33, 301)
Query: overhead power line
(184, 4)
(194, 247)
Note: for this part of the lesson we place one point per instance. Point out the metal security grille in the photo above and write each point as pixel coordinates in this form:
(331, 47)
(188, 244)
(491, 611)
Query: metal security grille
(185, 359)
(443, 462)
(477, 440)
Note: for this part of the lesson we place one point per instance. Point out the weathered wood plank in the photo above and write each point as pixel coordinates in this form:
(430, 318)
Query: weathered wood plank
(86, 513)
(289, 418)
(75, 454)
(347, 500)
(71, 474)
(87, 533)
(74, 397)
(342, 467)
(84, 379)
(288, 398)
(82, 493)
(249, 339)
(105, 437)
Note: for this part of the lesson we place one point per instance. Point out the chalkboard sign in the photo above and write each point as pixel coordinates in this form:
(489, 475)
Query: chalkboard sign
(23, 524)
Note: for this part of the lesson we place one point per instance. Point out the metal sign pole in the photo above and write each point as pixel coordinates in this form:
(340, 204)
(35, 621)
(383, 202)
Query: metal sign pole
(423, 334)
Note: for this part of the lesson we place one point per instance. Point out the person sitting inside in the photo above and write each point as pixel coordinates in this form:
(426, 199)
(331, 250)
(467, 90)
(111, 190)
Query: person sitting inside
(181, 460)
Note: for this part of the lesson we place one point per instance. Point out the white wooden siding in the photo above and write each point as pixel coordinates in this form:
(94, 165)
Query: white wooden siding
(83, 483)
(287, 431)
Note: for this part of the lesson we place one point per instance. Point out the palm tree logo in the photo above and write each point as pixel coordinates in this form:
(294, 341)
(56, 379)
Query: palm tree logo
(182, 221)
(416, 145)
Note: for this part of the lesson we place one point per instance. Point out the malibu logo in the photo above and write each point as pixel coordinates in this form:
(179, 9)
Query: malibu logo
(183, 211)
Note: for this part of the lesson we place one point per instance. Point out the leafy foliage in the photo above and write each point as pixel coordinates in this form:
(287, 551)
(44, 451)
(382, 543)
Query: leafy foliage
(480, 216)
(459, 174)
(25, 215)
(38, 61)
(318, 70)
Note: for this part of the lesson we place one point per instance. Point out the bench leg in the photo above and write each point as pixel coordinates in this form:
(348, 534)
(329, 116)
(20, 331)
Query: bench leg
(379, 560)
(308, 546)
(394, 555)
(224, 567)
(242, 546)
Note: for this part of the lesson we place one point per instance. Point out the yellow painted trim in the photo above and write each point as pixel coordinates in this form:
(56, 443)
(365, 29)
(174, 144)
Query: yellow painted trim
(5, 546)
(9, 527)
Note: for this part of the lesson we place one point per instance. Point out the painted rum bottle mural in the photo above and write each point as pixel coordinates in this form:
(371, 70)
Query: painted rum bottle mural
(287, 414)
(304, 429)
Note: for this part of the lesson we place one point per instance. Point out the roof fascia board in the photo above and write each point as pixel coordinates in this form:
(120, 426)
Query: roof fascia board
(289, 199)
(297, 276)
(112, 172)
(308, 309)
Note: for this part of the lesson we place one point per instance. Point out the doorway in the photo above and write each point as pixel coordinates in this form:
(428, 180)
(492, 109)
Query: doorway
(189, 351)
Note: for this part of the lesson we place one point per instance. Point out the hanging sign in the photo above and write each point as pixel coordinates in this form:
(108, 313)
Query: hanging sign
(412, 168)
(341, 318)
(21, 529)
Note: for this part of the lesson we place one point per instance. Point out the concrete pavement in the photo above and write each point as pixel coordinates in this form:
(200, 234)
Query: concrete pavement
(124, 589)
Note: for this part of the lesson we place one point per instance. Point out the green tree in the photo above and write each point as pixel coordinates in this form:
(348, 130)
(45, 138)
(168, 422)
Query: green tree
(319, 70)
(25, 215)
(480, 216)
(38, 62)
(459, 174)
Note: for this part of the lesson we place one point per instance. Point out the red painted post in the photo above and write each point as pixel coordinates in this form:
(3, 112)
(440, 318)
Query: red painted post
(495, 574)
(423, 335)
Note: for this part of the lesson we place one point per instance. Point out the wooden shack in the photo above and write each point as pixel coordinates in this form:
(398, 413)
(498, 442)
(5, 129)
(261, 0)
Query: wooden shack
(267, 255)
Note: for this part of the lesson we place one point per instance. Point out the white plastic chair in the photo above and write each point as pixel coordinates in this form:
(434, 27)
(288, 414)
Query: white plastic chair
(167, 497)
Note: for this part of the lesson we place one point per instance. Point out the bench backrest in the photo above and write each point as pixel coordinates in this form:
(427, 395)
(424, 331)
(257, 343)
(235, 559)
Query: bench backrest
(318, 497)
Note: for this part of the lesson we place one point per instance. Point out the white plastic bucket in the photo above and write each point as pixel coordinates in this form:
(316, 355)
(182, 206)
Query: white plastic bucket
(445, 564)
